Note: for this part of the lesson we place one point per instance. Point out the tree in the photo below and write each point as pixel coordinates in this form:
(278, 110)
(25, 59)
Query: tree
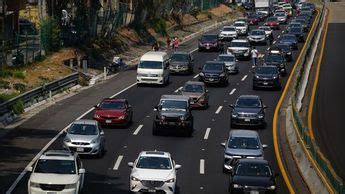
(50, 34)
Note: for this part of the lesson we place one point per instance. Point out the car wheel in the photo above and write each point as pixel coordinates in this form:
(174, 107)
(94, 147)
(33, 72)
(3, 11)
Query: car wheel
(100, 152)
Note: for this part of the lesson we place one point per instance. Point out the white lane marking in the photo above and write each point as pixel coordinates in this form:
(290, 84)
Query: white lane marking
(274, 42)
(118, 162)
(219, 109)
(196, 76)
(278, 36)
(194, 50)
(178, 89)
(244, 77)
(202, 166)
(268, 48)
(21, 175)
(137, 130)
(232, 91)
(207, 133)
(283, 31)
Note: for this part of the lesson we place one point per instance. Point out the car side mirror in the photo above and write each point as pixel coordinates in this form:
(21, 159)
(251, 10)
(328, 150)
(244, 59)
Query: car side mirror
(265, 107)
(264, 146)
(231, 105)
(155, 108)
(130, 164)
(206, 91)
(222, 144)
(178, 166)
(82, 171)
(102, 132)
(29, 169)
(228, 167)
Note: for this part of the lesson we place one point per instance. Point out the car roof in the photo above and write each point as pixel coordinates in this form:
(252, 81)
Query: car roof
(240, 40)
(155, 153)
(174, 97)
(85, 122)
(229, 26)
(154, 56)
(252, 160)
(214, 62)
(249, 96)
(57, 155)
(180, 52)
(114, 100)
(195, 83)
(243, 133)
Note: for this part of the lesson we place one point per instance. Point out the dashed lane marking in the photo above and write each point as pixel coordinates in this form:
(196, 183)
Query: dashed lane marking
(219, 109)
(244, 77)
(196, 76)
(178, 89)
(118, 162)
(232, 91)
(202, 166)
(207, 133)
(137, 130)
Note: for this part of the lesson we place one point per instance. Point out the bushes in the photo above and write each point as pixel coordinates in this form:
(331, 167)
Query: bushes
(20, 87)
(50, 34)
(10, 72)
(18, 107)
(159, 25)
(4, 84)
(5, 97)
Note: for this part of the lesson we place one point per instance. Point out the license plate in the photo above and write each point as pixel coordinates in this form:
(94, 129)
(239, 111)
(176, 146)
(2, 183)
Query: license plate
(51, 192)
(191, 102)
(211, 79)
(152, 190)
(171, 123)
(107, 121)
(80, 149)
(254, 192)
(247, 120)
(265, 83)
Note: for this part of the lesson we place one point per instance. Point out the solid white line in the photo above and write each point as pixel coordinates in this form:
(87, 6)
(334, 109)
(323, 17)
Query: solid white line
(118, 162)
(232, 91)
(207, 133)
(194, 50)
(244, 77)
(178, 89)
(197, 75)
(137, 130)
(21, 175)
(219, 109)
(202, 166)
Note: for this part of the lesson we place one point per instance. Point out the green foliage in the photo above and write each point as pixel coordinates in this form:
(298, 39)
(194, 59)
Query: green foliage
(159, 25)
(20, 87)
(18, 107)
(6, 73)
(18, 74)
(50, 34)
(12, 72)
(5, 97)
(4, 84)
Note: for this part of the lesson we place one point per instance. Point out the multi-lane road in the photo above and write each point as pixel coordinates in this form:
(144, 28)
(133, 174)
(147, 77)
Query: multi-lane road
(110, 174)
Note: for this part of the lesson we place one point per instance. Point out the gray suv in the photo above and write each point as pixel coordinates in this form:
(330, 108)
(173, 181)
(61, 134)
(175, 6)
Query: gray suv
(173, 113)
(242, 144)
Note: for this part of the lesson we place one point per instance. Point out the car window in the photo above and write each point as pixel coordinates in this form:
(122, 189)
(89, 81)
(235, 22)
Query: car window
(240, 24)
(213, 67)
(229, 29)
(253, 169)
(111, 105)
(266, 70)
(148, 162)
(272, 19)
(179, 57)
(55, 166)
(248, 103)
(243, 143)
(193, 88)
(274, 58)
(226, 58)
(288, 37)
(150, 65)
(209, 37)
(173, 104)
(239, 44)
(83, 129)
(257, 32)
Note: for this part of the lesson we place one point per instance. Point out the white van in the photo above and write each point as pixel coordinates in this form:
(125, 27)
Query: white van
(153, 68)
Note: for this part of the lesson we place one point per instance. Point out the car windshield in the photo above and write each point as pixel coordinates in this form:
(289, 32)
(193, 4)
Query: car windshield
(284, 47)
(226, 58)
(302, 21)
(280, 14)
(55, 166)
(229, 29)
(112, 105)
(294, 25)
(266, 70)
(213, 67)
(240, 24)
(173, 104)
(253, 169)
(248, 103)
(264, 28)
(83, 129)
(295, 30)
(148, 162)
(243, 143)
(179, 57)
(274, 58)
(150, 65)
(289, 37)
(272, 19)
(209, 37)
(193, 88)
(239, 44)
(257, 32)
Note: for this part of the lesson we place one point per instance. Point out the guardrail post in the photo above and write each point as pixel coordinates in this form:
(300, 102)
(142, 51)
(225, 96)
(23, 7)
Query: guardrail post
(50, 94)
(71, 63)
(105, 73)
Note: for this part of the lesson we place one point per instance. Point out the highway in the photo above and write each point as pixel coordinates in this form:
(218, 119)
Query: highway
(110, 174)
(329, 103)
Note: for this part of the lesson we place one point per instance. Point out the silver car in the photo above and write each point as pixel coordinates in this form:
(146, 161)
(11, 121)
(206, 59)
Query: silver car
(85, 137)
(242, 144)
(281, 17)
(230, 62)
(257, 37)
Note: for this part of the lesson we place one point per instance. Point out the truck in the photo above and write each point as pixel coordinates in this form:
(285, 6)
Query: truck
(263, 6)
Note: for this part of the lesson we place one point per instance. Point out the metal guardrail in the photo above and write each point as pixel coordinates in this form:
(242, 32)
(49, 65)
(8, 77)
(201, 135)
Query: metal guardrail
(316, 154)
(40, 93)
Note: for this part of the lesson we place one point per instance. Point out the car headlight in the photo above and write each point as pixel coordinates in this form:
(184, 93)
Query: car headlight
(182, 118)
(260, 116)
(201, 74)
(235, 115)
(67, 140)
(94, 140)
(275, 77)
(33, 184)
(257, 77)
(162, 117)
(288, 53)
(170, 180)
(281, 65)
(134, 178)
(272, 187)
(71, 186)
(122, 117)
(237, 186)
(222, 75)
(96, 116)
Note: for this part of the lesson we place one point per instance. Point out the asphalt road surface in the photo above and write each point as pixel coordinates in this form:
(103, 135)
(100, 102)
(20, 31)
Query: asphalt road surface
(329, 106)
(20, 145)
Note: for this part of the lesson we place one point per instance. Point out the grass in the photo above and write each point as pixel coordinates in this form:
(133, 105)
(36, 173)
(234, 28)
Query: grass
(12, 72)
(5, 97)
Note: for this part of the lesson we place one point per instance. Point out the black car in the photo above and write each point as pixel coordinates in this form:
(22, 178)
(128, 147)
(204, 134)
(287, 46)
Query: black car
(285, 49)
(305, 24)
(173, 113)
(266, 77)
(209, 42)
(181, 62)
(214, 72)
(289, 39)
(276, 59)
(298, 32)
(248, 111)
(248, 5)
(252, 176)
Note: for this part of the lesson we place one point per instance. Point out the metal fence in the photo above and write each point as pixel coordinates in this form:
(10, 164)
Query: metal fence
(316, 154)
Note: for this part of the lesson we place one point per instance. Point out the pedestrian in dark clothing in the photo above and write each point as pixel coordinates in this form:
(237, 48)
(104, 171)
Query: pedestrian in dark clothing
(271, 38)
(168, 42)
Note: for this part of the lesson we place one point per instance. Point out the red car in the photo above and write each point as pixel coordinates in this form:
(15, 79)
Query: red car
(273, 23)
(113, 112)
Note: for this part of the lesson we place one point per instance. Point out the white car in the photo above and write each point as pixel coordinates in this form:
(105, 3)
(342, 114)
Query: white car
(56, 171)
(241, 27)
(267, 30)
(228, 33)
(281, 17)
(153, 171)
(240, 48)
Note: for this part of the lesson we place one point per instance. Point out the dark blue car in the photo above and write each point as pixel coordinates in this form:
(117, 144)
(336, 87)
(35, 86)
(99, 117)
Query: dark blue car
(289, 39)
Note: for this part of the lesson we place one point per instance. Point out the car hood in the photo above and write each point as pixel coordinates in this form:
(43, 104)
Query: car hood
(178, 63)
(228, 32)
(267, 76)
(81, 138)
(173, 113)
(238, 48)
(247, 110)
(49, 178)
(295, 33)
(271, 63)
(257, 36)
(192, 94)
(208, 41)
(114, 113)
(152, 174)
(244, 152)
(253, 181)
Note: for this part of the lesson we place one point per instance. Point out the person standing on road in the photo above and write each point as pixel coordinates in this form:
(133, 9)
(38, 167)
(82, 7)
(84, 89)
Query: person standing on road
(271, 38)
(168, 42)
(175, 43)
(255, 54)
